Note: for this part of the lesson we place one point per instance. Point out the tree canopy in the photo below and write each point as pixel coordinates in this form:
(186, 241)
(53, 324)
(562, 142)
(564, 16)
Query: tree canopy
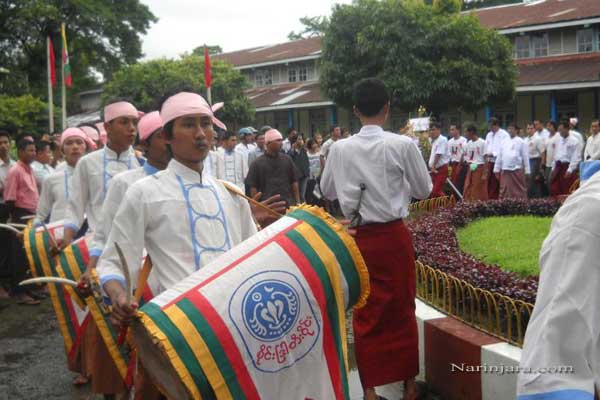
(102, 36)
(23, 115)
(427, 55)
(313, 26)
(147, 82)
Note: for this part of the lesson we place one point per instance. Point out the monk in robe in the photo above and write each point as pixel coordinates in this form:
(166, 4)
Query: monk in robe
(374, 174)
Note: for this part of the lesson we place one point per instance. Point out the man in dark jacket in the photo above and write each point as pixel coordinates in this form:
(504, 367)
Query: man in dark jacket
(300, 158)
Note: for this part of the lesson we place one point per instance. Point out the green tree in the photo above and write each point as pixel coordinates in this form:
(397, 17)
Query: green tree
(212, 50)
(426, 57)
(102, 36)
(23, 115)
(313, 26)
(147, 82)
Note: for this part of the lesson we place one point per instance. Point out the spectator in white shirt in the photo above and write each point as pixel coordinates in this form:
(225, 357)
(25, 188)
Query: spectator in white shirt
(246, 144)
(289, 140)
(573, 124)
(511, 161)
(457, 146)
(592, 147)
(335, 134)
(539, 128)
(548, 154)
(536, 145)
(41, 166)
(438, 160)
(566, 161)
(493, 142)
(231, 164)
(476, 180)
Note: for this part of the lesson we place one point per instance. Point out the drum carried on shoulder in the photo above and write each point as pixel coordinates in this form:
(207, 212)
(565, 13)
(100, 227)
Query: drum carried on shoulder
(266, 320)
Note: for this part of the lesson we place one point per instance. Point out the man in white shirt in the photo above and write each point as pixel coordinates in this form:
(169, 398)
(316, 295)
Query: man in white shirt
(231, 164)
(573, 124)
(41, 166)
(536, 145)
(260, 148)
(592, 147)
(374, 174)
(289, 140)
(541, 131)
(246, 144)
(335, 133)
(548, 154)
(90, 182)
(566, 161)
(511, 161)
(476, 180)
(57, 187)
(493, 143)
(458, 146)
(565, 324)
(438, 160)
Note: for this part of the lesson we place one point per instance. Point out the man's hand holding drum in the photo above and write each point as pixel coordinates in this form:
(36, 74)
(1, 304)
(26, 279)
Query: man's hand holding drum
(123, 312)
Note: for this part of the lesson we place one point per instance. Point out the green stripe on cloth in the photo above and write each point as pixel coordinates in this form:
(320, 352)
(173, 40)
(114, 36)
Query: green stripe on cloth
(182, 348)
(213, 343)
(46, 245)
(332, 308)
(66, 315)
(79, 257)
(66, 267)
(331, 238)
(37, 263)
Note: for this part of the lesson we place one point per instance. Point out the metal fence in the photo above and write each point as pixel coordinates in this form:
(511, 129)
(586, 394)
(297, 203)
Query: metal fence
(493, 313)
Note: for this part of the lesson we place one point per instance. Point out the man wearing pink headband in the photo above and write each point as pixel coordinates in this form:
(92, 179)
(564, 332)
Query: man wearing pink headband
(90, 183)
(182, 216)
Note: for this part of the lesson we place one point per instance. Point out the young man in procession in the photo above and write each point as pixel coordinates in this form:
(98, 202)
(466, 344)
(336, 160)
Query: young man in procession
(374, 174)
(566, 161)
(90, 183)
(438, 160)
(155, 208)
(21, 198)
(457, 146)
(535, 146)
(592, 146)
(493, 143)
(42, 165)
(512, 166)
(476, 180)
(548, 154)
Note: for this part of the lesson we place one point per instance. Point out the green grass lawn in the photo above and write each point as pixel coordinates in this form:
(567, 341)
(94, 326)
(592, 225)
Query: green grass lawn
(513, 243)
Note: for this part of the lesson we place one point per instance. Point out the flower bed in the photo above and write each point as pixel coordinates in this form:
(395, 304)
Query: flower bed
(434, 236)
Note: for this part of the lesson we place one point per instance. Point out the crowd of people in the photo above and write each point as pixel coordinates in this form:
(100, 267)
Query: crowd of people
(134, 177)
(542, 160)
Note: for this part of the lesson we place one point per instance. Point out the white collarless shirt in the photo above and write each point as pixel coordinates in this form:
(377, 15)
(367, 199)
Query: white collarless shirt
(55, 194)
(232, 167)
(513, 155)
(567, 151)
(535, 145)
(457, 148)
(475, 151)
(389, 165)
(493, 142)
(439, 146)
(182, 219)
(91, 177)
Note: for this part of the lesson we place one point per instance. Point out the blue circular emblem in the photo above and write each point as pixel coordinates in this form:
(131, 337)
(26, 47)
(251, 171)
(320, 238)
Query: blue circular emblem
(270, 308)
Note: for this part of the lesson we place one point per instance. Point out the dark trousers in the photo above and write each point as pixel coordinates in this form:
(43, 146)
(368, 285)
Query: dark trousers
(5, 237)
(535, 181)
(17, 258)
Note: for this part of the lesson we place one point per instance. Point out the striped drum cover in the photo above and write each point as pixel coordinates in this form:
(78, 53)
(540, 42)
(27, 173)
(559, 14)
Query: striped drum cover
(264, 321)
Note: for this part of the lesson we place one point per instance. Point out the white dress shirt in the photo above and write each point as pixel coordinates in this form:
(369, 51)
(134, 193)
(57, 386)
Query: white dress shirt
(245, 149)
(544, 134)
(551, 144)
(41, 171)
(90, 184)
(592, 148)
(457, 148)
(182, 219)
(439, 146)
(493, 142)
(513, 155)
(326, 147)
(4, 167)
(564, 329)
(475, 152)
(116, 193)
(535, 145)
(54, 197)
(567, 151)
(232, 167)
(389, 165)
(580, 140)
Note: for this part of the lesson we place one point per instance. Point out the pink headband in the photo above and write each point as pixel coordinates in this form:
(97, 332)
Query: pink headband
(100, 126)
(272, 135)
(76, 132)
(149, 124)
(90, 132)
(119, 109)
(186, 103)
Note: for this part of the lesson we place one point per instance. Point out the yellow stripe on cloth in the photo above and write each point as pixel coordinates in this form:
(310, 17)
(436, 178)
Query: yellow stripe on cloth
(62, 321)
(167, 347)
(27, 244)
(330, 262)
(110, 343)
(74, 267)
(201, 351)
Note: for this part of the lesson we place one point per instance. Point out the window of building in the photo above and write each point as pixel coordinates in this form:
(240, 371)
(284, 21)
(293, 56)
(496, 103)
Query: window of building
(268, 77)
(258, 78)
(292, 74)
(522, 47)
(540, 45)
(585, 40)
(302, 73)
(566, 105)
(263, 77)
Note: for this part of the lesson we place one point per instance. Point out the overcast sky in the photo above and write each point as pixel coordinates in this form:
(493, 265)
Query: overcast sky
(233, 24)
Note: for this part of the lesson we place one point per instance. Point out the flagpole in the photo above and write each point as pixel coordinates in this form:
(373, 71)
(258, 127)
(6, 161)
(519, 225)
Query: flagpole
(50, 99)
(209, 95)
(63, 98)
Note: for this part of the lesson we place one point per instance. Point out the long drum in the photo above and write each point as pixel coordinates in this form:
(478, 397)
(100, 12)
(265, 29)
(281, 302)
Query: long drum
(266, 320)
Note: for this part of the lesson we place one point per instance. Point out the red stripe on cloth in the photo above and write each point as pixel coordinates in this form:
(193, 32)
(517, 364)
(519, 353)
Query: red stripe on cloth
(69, 304)
(227, 342)
(85, 255)
(79, 337)
(147, 294)
(233, 265)
(317, 289)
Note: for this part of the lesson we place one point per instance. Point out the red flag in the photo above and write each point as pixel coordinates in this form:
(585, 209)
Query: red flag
(51, 63)
(207, 76)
